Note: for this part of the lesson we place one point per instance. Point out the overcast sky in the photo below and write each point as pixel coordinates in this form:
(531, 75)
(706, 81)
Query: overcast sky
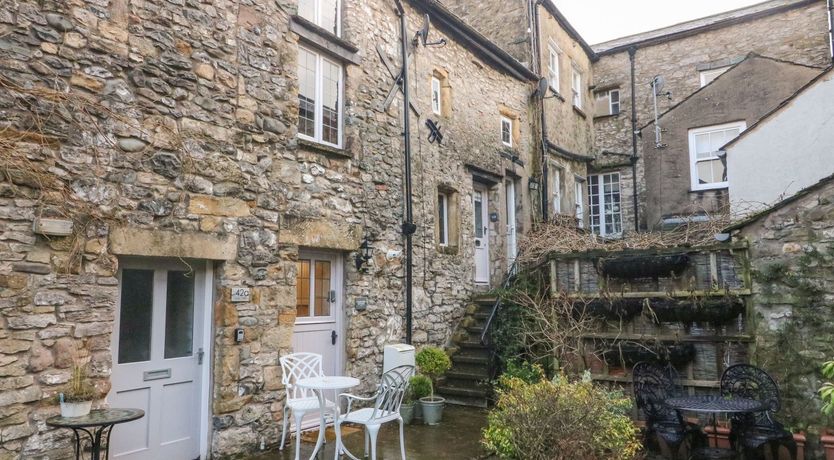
(601, 20)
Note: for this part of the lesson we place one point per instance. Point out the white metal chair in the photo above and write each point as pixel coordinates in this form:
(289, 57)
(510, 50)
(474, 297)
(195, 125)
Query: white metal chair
(300, 401)
(386, 408)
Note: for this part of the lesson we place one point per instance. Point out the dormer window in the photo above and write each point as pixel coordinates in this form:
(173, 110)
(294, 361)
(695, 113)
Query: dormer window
(323, 13)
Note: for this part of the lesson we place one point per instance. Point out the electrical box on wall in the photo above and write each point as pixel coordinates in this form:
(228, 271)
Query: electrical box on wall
(239, 335)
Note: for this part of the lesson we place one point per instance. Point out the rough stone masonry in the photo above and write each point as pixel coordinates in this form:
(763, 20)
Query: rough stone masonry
(167, 128)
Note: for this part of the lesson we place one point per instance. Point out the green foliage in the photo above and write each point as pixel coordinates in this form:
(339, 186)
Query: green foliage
(433, 363)
(561, 420)
(419, 387)
(521, 370)
(827, 390)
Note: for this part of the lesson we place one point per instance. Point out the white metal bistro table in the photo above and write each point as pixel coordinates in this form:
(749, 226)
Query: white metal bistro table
(319, 385)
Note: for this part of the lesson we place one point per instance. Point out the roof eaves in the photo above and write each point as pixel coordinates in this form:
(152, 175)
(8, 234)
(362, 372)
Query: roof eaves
(474, 40)
(563, 21)
(700, 25)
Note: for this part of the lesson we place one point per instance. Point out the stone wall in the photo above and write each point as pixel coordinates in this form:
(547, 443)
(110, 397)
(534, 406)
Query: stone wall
(168, 129)
(799, 35)
(792, 263)
(505, 23)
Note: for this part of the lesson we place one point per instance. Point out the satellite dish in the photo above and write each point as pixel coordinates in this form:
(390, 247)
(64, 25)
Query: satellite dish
(659, 82)
(541, 89)
(423, 33)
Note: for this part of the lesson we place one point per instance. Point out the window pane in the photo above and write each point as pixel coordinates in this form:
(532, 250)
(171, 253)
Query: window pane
(179, 314)
(307, 10)
(479, 215)
(322, 286)
(441, 218)
(302, 289)
(306, 93)
(136, 314)
(331, 74)
(506, 129)
(710, 171)
(435, 95)
(329, 15)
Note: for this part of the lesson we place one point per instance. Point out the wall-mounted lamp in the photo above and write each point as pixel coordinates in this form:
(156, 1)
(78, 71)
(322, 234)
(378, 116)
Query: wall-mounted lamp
(532, 184)
(363, 255)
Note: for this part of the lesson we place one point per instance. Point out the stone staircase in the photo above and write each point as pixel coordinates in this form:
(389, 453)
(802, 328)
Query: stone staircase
(466, 383)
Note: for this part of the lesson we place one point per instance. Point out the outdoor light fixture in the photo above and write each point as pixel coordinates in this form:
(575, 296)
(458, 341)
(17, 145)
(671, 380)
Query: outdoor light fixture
(363, 255)
(533, 184)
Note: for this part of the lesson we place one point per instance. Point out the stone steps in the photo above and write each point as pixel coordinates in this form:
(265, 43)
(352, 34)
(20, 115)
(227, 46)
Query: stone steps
(467, 382)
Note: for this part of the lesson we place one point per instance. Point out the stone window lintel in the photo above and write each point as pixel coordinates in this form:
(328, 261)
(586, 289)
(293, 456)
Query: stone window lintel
(324, 40)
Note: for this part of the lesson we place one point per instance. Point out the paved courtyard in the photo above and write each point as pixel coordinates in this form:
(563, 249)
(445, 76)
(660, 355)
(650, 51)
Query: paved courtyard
(457, 437)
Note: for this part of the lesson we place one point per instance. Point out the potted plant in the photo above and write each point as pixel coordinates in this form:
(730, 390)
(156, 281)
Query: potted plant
(420, 387)
(77, 397)
(433, 363)
(827, 396)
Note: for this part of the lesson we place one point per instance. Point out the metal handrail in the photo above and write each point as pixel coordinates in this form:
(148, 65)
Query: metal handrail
(504, 284)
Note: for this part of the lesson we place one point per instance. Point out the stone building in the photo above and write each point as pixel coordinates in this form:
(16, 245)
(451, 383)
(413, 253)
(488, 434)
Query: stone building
(186, 186)
(687, 56)
(686, 178)
(791, 260)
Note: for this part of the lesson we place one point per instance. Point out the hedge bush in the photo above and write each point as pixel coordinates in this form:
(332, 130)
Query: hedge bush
(561, 420)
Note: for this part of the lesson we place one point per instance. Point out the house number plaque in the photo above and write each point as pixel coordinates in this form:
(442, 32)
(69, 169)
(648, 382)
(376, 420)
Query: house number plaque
(241, 294)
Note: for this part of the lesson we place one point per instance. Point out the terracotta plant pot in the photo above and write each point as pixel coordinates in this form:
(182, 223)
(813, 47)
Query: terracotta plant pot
(800, 439)
(827, 441)
(718, 436)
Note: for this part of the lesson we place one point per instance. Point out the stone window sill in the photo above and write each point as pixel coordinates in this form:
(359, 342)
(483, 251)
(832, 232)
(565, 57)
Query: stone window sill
(305, 144)
(558, 96)
(710, 189)
(448, 250)
(579, 112)
(324, 40)
(607, 116)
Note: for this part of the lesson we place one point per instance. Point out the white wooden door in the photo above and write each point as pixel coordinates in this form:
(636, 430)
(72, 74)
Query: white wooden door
(318, 320)
(512, 241)
(480, 205)
(158, 355)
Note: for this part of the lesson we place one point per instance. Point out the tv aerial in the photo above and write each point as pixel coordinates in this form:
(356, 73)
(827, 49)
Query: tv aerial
(658, 83)
(422, 35)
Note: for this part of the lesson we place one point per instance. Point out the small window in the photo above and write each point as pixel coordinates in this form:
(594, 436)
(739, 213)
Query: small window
(443, 219)
(580, 203)
(506, 131)
(553, 67)
(707, 76)
(607, 103)
(435, 96)
(556, 189)
(708, 168)
(605, 213)
(576, 87)
(323, 13)
(319, 98)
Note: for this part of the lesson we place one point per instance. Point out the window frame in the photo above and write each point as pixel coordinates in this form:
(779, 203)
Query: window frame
(597, 181)
(611, 101)
(318, 121)
(311, 317)
(556, 189)
(509, 121)
(554, 50)
(694, 160)
(577, 98)
(579, 201)
(443, 214)
(702, 74)
(317, 19)
(438, 107)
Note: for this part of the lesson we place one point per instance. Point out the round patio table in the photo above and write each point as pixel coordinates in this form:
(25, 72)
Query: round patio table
(98, 423)
(319, 385)
(715, 404)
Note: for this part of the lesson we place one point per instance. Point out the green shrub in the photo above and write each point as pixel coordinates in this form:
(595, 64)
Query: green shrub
(419, 387)
(522, 370)
(827, 390)
(560, 420)
(433, 363)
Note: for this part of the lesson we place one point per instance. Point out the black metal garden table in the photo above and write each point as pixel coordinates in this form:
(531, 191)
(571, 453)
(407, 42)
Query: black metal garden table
(715, 404)
(97, 424)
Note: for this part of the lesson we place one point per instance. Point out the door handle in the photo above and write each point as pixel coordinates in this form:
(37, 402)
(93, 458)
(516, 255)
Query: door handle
(333, 336)
(332, 297)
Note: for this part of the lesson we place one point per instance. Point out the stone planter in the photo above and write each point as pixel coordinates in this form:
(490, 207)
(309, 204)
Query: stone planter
(407, 412)
(432, 409)
(76, 409)
(718, 436)
(827, 443)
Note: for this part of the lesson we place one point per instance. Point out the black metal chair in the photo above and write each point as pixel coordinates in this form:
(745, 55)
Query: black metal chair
(654, 384)
(754, 433)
